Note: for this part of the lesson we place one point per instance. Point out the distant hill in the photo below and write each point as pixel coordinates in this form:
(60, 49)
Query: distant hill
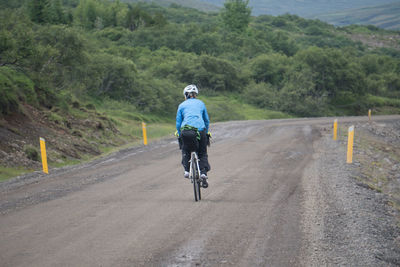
(381, 13)
(383, 16)
(305, 8)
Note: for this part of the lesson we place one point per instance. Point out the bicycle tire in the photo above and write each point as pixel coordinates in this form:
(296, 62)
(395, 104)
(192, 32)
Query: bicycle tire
(193, 176)
(199, 187)
(198, 180)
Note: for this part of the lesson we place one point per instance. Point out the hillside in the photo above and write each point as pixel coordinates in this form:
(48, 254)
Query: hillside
(383, 16)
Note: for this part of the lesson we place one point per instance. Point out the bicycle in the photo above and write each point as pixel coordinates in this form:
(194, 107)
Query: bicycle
(194, 166)
(194, 175)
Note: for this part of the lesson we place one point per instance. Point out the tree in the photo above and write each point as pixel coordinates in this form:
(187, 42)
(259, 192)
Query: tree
(56, 13)
(159, 19)
(236, 14)
(38, 10)
(269, 68)
(87, 12)
(334, 71)
(17, 44)
(134, 18)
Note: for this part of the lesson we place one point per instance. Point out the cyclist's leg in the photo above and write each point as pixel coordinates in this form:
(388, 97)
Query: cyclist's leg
(187, 144)
(185, 159)
(202, 153)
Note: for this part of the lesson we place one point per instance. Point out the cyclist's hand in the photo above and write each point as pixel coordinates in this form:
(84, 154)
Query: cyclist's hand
(176, 134)
(209, 134)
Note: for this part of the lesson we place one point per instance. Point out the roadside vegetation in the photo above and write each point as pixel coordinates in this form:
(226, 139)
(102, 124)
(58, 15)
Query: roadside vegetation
(113, 64)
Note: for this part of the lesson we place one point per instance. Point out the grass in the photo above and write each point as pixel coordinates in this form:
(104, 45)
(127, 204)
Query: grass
(6, 172)
(230, 107)
(67, 162)
(129, 120)
(383, 101)
(54, 117)
(350, 105)
(384, 105)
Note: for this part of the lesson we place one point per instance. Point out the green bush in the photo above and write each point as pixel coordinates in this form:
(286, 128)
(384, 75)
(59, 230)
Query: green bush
(8, 97)
(54, 117)
(90, 106)
(262, 95)
(211, 72)
(22, 84)
(111, 76)
(269, 68)
(15, 87)
(31, 153)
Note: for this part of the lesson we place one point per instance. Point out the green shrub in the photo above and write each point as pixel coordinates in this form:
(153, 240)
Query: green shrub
(8, 96)
(75, 104)
(15, 87)
(269, 68)
(31, 153)
(46, 97)
(90, 106)
(64, 106)
(262, 95)
(55, 118)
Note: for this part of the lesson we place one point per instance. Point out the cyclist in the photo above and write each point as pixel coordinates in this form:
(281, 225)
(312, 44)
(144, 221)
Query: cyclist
(192, 123)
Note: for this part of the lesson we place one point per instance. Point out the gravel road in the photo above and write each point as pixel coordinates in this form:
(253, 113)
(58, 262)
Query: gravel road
(280, 194)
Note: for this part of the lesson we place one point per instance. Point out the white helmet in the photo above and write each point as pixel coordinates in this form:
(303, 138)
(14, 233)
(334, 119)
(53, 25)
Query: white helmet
(190, 89)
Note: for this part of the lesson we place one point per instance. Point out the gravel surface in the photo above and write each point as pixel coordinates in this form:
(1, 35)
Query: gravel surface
(346, 221)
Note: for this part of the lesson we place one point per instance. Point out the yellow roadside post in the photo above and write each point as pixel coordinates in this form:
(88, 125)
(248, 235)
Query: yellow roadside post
(44, 156)
(369, 114)
(144, 133)
(335, 129)
(350, 140)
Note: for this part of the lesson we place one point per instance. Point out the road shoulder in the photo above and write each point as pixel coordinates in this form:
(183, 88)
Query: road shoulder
(344, 221)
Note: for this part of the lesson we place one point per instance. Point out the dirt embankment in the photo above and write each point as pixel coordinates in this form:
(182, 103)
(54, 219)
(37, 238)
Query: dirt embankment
(67, 137)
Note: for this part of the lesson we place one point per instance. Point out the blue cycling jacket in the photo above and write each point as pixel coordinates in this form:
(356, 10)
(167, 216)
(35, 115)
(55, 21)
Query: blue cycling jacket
(192, 112)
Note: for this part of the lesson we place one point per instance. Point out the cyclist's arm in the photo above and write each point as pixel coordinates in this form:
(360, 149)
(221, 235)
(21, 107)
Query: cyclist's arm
(179, 119)
(206, 118)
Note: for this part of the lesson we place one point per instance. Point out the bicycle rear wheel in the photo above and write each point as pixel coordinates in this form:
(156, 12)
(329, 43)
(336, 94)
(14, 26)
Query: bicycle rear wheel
(198, 180)
(199, 189)
(195, 177)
